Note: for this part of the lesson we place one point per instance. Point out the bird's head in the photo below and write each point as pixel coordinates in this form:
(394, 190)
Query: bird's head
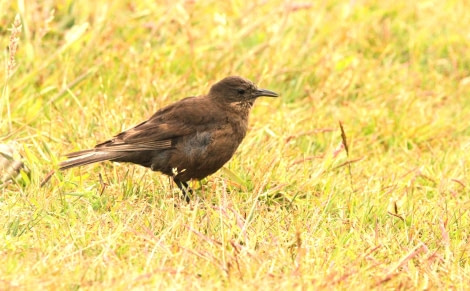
(237, 90)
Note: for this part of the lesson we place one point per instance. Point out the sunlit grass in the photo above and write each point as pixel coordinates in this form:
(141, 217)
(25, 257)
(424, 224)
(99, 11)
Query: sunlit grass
(291, 209)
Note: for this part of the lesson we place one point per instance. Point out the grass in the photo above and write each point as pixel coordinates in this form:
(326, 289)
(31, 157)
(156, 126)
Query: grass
(291, 210)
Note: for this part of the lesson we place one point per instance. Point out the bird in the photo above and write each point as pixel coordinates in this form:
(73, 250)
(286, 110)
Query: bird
(189, 139)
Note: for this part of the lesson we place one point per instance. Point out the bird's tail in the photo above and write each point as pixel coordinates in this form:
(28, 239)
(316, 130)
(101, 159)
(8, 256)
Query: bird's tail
(88, 157)
(84, 158)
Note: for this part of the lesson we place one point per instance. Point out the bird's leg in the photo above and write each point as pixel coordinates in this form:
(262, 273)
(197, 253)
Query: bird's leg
(185, 189)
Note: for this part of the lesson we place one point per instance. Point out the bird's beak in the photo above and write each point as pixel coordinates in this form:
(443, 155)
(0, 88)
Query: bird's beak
(264, 92)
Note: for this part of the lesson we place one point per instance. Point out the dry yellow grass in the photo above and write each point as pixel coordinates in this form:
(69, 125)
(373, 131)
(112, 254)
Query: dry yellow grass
(291, 210)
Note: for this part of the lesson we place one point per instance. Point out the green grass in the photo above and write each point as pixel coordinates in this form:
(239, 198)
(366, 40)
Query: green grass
(291, 210)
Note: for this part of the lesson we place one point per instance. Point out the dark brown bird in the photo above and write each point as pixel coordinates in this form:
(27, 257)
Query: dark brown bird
(189, 139)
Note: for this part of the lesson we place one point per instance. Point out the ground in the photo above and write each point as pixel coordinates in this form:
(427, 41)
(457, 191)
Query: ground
(302, 205)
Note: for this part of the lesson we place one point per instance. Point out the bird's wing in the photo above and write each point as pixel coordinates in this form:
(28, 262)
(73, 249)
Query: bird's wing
(178, 119)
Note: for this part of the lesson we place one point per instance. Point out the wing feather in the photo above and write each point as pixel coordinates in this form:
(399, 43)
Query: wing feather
(159, 132)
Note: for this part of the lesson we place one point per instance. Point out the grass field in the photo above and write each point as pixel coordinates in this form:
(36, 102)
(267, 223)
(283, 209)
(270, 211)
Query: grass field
(292, 209)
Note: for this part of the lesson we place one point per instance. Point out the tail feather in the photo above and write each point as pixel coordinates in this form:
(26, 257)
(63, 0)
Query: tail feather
(88, 157)
(79, 153)
(84, 158)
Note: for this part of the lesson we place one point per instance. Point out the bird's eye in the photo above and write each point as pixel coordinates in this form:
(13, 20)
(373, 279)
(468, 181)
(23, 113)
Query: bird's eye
(241, 91)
